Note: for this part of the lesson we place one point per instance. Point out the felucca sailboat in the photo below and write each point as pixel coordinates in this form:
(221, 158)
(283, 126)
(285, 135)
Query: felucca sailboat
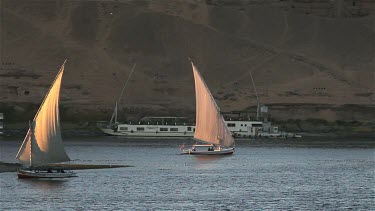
(43, 144)
(210, 126)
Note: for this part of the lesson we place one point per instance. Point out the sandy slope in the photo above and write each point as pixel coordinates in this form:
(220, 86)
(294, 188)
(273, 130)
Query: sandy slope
(299, 53)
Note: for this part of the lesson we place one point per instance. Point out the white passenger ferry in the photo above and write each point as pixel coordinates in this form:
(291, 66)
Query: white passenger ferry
(180, 127)
(150, 127)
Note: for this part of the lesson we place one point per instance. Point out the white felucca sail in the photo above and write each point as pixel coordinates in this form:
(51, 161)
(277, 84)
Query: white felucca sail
(210, 125)
(43, 144)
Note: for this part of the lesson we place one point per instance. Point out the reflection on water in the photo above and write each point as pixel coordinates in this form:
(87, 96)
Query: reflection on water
(207, 161)
(204, 159)
(44, 184)
(269, 175)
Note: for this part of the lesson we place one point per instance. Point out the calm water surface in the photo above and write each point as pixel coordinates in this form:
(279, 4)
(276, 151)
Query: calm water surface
(261, 175)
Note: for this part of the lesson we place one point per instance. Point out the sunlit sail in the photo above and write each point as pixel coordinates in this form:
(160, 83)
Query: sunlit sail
(210, 126)
(43, 144)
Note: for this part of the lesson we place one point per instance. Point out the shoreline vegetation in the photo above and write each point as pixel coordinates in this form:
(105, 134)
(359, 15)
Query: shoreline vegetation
(12, 167)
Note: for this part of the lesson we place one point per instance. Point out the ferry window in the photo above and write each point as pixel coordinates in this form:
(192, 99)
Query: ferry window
(241, 125)
(231, 125)
(163, 129)
(174, 129)
(194, 129)
(140, 128)
(245, 125)
(189, 128)
(123, 128)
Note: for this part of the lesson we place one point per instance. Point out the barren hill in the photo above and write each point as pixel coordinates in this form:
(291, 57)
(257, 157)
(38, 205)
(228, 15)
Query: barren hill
(309, 59)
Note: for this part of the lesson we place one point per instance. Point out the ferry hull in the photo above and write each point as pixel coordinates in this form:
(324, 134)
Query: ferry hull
(147, 134)
(240, 130)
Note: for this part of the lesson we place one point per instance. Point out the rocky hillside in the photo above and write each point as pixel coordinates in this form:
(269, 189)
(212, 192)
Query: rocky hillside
(309, 59)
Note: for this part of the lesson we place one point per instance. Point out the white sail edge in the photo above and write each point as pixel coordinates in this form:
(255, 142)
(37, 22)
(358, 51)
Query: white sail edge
(197, 139)
(228, 134)
(49, 90)
(23, 144)
(204, 82)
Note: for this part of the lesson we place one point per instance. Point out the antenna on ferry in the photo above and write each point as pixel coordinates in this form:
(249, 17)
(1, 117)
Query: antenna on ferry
(256, 94)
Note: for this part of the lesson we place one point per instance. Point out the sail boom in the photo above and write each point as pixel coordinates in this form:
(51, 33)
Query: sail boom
(200, 140)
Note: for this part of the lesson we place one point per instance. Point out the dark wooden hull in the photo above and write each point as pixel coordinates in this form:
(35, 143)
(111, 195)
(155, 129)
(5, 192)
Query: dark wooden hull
(216, 152)
(29, 174)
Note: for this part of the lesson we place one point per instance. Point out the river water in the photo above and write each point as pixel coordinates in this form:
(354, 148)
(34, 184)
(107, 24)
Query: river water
(303, 174)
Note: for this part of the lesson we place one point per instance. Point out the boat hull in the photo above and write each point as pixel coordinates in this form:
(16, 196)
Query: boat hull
(228, 151)
(29, 174)
(145, 134)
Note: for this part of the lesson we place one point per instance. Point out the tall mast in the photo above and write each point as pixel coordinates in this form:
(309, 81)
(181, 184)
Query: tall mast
(31, 151)
(218, 128)
(114, 115)
(126, 83)
(256, 94)
(32, 128)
